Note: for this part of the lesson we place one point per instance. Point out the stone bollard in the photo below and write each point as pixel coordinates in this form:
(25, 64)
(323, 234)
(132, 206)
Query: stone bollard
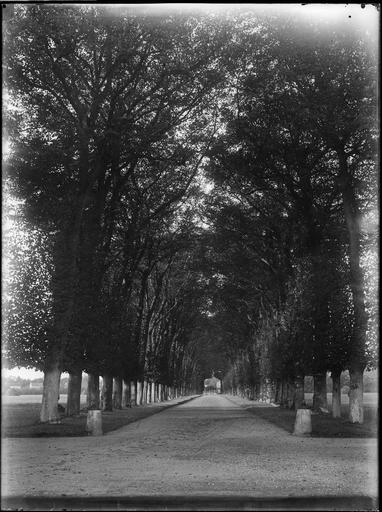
(303, 423)
(94, 423)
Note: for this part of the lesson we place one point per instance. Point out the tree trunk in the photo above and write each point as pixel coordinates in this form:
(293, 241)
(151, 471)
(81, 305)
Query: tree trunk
(73, 403)
(299, 401)
(126, 395)
(319, 392)
(51, 390)
(336, 393)
(153, 392)
(101, 395)
(93, 392)
(357, 355)
(267, 390)
(144, 394)
(133, 393)
(139, 392)
(148, 393)
(291, 394)
(260, 396)
(117, 393)
(65, 253)
(160, 392)
(278, 392)
(356, 395)
(272, 391)
(107, 393)
(284, 393)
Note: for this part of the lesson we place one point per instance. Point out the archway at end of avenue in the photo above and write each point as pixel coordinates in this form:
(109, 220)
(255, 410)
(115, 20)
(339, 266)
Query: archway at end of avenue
(213, 385)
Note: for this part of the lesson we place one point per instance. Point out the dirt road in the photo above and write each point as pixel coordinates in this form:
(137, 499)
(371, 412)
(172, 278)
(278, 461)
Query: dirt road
(206, 446)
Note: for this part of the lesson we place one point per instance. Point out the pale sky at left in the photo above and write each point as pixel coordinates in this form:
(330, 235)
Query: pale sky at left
(24, 373)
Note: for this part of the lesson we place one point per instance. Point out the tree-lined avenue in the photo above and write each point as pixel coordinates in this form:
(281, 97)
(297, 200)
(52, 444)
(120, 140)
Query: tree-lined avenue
(190, 193)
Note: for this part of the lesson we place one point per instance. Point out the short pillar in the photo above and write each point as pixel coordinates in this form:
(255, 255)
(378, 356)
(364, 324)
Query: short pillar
(94, 423)
(303, 423)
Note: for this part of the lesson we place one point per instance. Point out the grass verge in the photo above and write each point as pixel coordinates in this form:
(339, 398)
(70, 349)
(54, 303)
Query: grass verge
(323, 425)
(22, 420)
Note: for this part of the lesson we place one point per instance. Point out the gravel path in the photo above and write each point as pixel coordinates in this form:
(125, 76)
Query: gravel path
(209, 445)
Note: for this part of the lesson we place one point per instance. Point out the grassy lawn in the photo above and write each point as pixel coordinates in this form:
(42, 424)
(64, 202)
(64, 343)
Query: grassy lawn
(323, 425)
(22, 420)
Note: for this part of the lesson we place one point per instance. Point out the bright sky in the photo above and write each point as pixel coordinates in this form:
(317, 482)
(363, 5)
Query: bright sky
(366, 17)
(24, 373)
(320, 11)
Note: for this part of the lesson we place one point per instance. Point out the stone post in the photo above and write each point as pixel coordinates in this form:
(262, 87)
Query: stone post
(94, 423)
(303, 423)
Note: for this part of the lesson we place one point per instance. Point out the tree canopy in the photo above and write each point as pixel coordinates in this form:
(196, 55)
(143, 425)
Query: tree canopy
(197, 194)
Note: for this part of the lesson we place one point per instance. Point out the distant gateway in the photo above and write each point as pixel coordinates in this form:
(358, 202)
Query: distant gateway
(212, 385)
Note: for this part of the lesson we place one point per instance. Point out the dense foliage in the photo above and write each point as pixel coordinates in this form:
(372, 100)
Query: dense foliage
(126, 266)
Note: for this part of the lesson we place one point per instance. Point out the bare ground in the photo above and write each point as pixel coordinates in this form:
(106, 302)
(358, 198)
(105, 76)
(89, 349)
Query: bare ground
(208, 446)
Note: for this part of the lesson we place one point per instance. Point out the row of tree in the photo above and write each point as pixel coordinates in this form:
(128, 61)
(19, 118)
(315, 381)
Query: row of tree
(109, 120)
(112, 119)
(295, 213)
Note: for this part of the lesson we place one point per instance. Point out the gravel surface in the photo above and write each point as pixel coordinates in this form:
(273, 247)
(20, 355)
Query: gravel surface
(209, 445)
